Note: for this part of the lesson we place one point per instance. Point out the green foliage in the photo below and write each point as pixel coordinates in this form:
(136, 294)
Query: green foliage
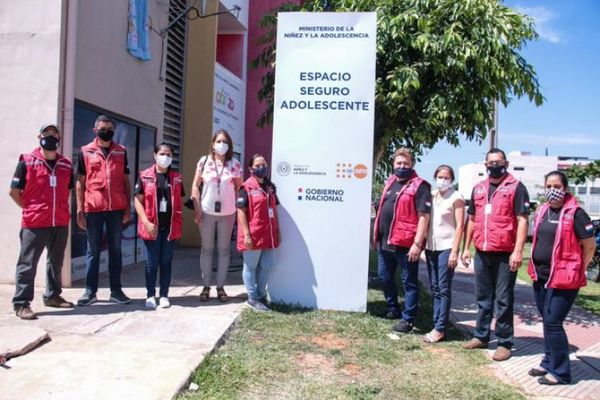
(441, 65)
(578, 174)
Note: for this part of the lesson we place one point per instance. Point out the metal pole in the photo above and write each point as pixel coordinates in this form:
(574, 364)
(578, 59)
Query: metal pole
(494, 129)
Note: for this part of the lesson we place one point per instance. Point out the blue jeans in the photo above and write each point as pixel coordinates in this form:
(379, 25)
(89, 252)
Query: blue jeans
(440, 281)
(257, 267)
(495, 284)
(95, 226)
(159, 252)
(554, 305)
(387, 263)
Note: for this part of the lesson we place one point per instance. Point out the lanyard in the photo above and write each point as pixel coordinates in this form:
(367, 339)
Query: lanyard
(219, 174)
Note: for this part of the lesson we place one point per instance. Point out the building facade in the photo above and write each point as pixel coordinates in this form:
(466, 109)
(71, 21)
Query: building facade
(69, 63)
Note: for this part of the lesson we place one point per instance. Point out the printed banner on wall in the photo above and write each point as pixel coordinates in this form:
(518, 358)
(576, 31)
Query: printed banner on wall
(322, 157)
(228, 106)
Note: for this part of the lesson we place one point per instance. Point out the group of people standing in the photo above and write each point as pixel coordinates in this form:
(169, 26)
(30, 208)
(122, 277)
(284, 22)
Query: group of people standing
(412, 218)
(42, 184)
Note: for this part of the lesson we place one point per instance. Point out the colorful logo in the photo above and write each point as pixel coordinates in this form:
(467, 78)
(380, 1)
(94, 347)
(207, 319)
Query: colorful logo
(222, 97)
(347, 170)
(360, 171)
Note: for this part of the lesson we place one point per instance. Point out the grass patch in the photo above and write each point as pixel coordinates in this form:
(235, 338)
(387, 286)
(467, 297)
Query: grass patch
(293, 353)
(588, 297)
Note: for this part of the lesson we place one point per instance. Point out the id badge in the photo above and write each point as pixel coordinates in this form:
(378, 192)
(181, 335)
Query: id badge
(217, 206)
(271, 213)
(52, 180)
(163, 205)
(487, 210)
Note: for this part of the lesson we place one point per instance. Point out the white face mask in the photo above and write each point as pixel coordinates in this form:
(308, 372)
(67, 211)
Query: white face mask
(164, 160)
(443, 183)
(221, 148)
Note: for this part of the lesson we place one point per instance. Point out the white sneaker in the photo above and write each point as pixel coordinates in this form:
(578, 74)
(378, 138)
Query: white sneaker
(257, 305)
(164, 302)
(151, 303)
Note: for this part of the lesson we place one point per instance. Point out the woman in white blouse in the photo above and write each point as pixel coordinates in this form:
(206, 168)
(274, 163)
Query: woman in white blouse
(216, 182)
(441, 251)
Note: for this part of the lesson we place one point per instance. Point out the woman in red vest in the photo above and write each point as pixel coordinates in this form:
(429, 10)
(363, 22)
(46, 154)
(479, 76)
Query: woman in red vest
(258, 230)
(563, 245)
(158, 205)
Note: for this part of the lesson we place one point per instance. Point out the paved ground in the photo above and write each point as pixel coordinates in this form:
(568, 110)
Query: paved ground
(112, 351)
(109, 351)
(583, 330)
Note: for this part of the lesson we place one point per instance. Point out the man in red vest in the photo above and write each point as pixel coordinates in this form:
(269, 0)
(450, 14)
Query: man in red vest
(399, 233)
(498, 228)
(103, 199)
(41, 186)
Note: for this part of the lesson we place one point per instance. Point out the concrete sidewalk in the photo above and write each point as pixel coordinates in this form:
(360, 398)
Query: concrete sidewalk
(583, 331)
(111, 351)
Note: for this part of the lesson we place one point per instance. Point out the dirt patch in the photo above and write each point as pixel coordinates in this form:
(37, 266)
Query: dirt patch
(315, 363)
(441, 352)
(351, 369)
(329, 341)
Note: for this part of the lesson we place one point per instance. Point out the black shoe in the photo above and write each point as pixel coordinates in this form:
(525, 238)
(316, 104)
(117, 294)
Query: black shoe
(403, 326)
(392, 315)
(87, 299)
(537, 372)
(119, 297)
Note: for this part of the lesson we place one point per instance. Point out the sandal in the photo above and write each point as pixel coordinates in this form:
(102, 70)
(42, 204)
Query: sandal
(222, 296)
(429, 338)
(205, 294)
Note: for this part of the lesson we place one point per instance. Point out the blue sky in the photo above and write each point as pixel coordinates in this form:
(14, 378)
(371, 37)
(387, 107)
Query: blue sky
(567, 60)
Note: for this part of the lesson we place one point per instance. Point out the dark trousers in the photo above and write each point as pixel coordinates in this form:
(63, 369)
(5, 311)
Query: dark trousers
(95, 226)
(33, 242)
(159, 253)
(554, 305)
(495, 286)
(440, 281)
(387, 263)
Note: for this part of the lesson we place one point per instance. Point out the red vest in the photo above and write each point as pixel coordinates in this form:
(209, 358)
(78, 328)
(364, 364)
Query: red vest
(149, 181)
(263, 228)
(105, 178)
(46, 193)
(496, 229)
(406, 217)
(566, 270)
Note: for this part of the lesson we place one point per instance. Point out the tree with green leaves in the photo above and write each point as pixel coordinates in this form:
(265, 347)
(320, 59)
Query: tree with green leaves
(579, 173)
(441, 67)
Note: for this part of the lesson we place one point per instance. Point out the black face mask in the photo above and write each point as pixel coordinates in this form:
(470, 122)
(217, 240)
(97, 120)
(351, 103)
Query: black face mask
(49, 143)
(497, 171)
(106, 134)
(260, 172)
(403, 173)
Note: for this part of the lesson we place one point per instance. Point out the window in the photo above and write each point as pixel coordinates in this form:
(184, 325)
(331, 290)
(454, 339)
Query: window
(595, 190)
(480, 174)
(519, 168)
(582, 190)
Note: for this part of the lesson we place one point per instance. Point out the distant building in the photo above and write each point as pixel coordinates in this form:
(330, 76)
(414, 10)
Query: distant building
(530, 170)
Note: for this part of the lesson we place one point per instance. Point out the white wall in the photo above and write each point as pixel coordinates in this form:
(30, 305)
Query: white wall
(107, 75)
(29, 77)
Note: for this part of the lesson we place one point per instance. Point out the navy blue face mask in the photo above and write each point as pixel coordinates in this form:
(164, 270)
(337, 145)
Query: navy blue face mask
(260, 172)
(403, 173)
(496, 171)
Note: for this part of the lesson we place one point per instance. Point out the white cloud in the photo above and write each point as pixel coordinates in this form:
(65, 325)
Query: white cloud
(543, 18)
(576, 139)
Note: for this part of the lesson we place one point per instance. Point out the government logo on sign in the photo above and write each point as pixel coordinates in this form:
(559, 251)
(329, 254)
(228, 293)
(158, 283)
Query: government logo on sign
(284, 168)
